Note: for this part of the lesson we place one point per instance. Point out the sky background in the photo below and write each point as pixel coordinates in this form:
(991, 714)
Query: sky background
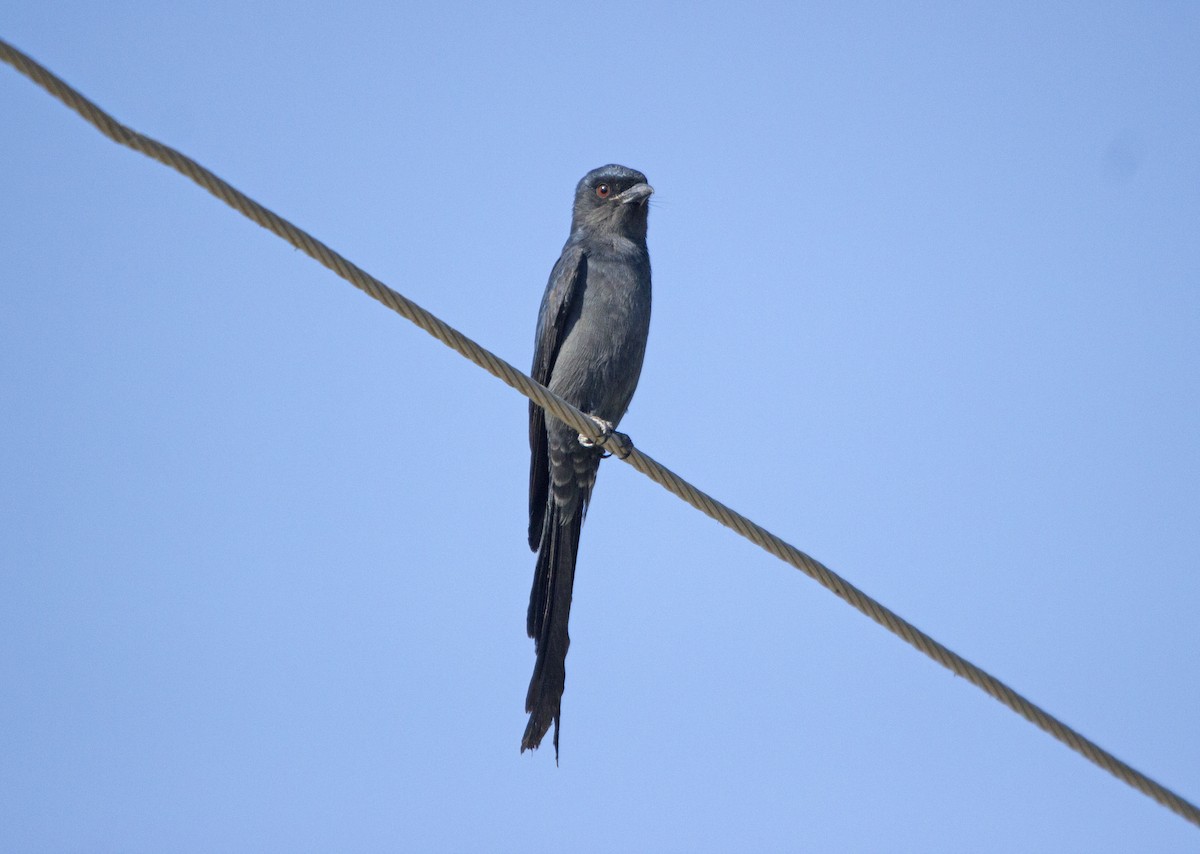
(927, 305)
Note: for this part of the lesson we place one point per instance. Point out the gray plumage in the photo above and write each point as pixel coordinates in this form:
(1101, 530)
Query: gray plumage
(591, 338)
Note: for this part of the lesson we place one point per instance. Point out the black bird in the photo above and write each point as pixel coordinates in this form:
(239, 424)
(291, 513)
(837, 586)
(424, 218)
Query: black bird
(591, 338)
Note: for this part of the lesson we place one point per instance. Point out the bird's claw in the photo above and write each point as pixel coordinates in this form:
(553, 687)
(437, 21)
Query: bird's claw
(606, 430)
(619, 442)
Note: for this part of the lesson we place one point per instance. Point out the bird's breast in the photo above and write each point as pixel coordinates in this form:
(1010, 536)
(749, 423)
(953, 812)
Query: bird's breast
(600, 359)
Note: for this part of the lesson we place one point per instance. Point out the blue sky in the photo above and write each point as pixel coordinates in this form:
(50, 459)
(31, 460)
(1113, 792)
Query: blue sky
(927, 305)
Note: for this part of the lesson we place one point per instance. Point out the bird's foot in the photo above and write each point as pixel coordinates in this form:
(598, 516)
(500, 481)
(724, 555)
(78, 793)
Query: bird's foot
(609, 437)
(606, 430)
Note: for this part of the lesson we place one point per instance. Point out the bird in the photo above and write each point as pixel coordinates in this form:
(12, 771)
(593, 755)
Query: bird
(589, 347)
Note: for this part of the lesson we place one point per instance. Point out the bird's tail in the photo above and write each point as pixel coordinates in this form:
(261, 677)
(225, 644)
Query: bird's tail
(549, 609)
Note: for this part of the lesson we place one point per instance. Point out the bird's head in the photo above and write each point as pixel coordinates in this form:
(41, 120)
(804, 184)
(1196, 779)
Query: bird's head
(612, 199)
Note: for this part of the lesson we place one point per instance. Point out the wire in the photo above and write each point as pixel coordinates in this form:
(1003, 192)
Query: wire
(618, 443)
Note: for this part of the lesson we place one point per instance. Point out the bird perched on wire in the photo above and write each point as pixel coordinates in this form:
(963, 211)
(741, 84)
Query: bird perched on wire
(591, 338)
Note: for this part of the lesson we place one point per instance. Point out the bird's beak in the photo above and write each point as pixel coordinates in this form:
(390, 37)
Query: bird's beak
(636, 193)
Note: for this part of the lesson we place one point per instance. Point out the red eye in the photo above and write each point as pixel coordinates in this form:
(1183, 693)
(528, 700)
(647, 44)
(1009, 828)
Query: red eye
(602, 190)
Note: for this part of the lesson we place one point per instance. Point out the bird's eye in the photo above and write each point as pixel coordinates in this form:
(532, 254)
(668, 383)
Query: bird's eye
(603, 190)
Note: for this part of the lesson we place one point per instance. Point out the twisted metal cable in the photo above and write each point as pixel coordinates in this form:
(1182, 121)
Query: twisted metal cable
(618, 443)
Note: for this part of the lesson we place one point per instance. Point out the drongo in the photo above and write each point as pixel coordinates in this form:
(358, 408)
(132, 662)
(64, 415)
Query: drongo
(591, 337)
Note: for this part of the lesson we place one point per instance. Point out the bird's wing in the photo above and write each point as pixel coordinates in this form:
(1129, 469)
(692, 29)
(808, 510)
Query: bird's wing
(567, 281)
